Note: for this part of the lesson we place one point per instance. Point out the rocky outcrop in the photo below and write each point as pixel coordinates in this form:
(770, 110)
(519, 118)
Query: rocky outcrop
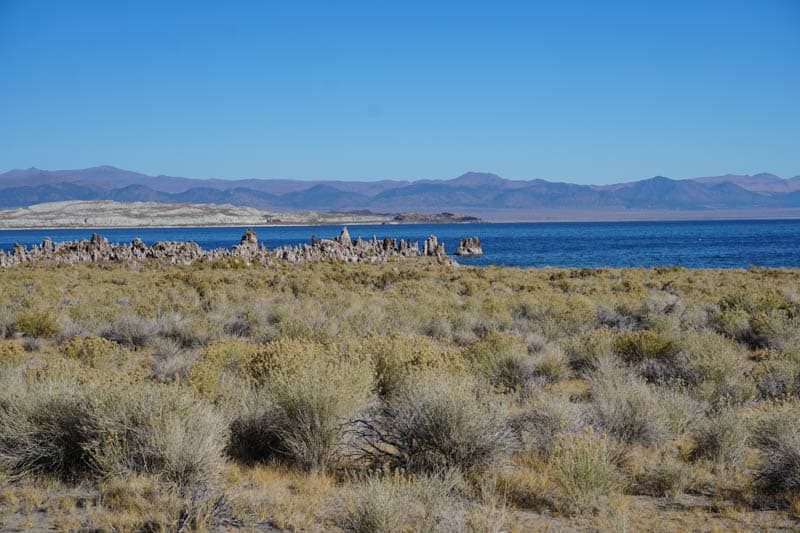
(433, 248)
(341, 248)
(469, 246)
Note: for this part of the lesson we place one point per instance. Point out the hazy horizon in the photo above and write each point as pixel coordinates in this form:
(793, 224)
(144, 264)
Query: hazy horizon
(407, 179)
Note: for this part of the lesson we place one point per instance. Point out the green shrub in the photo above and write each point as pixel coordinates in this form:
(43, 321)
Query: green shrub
(36, 323)
(397, 355)
(636, 346)
(92, 351)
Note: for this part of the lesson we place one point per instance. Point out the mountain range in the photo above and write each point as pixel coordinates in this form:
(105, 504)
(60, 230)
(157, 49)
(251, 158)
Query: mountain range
(468, 193)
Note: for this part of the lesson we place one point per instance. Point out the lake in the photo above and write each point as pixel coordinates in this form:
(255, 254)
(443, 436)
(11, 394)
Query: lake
(695, 244)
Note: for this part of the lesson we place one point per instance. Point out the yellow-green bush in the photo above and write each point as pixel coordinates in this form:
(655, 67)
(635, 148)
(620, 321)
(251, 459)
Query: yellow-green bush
(11, 353)
(37, 323)
(222, 365)
(93, 351)
(397, 355)
(636, 346)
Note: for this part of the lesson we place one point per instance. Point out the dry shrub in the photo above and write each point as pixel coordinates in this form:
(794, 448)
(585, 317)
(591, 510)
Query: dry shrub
(503, 358)
(222, 368)
(777, 437)
(435, 422)
(378, 507)
(400, 503)
(680, 410)
(170, 361)
(397, 355)
(11, 353)
(185, 332)
(158, 430)
(71, 429)
(44, 427)
(133, 331)
(779, 378)
(662, 475)
(545, 417)
(585, 353)
(36, 323)
(584, 469)
(716, 367)
(761, 318)
(551, 365)
(627, 408)
(92, 351)
(309, 391)
(722, 437)
(637, 346)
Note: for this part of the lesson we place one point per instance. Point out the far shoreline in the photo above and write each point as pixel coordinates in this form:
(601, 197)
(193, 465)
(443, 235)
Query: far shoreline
(729, 217)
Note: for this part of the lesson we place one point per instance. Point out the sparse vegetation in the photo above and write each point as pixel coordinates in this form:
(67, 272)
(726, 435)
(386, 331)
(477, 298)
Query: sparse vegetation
(398, 397)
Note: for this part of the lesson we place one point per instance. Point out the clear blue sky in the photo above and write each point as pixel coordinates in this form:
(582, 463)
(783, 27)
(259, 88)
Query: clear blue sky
(590, 92)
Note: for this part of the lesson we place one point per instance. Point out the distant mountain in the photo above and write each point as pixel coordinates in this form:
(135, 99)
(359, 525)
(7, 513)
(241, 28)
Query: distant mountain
(763, 182)
(470, 191)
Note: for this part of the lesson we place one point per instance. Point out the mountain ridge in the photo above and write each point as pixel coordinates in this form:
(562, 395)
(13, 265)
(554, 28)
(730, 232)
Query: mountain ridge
(471, 190)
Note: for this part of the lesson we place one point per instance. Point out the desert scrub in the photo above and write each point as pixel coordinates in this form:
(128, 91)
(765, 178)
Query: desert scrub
(308, 393)
(716, 368)
(397, 355)
(390, 503)
(722, 437)
(543, 418)
(586, 352)
(92, 351)
(777, 437)
(11, 353)
(44, 427)
(169, 361)
(583, 468)
(131, 330)
(435, 422)
(158, 430)
(503, 358)
(72, 430)
(757, 318)
(662, 475)
(36, 323)
(627, 408)
(636, 346)
(221, 368)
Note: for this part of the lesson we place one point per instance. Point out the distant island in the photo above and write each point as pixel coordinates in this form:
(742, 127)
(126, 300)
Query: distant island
(475, 194)
(110, 214)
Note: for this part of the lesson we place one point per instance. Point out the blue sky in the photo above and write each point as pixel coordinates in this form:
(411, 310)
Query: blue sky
(589, 92)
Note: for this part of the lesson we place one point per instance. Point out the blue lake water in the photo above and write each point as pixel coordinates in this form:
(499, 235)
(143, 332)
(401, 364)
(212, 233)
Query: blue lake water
(737, 243)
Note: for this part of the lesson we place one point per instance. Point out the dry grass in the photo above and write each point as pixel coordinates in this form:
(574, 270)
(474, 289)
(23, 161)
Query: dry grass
(398, 397)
